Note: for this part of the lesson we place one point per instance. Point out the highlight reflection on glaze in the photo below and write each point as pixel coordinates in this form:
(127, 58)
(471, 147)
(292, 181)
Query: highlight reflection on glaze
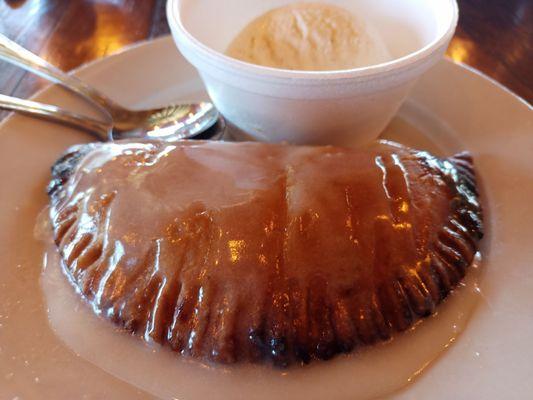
(245, 252)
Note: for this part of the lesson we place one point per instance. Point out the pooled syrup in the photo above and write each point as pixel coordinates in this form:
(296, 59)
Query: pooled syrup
(365, 374)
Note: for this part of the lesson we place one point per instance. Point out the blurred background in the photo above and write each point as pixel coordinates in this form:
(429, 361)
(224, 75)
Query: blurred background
(494, 36)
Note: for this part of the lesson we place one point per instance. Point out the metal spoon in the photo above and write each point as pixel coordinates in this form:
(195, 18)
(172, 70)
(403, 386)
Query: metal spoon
(173, 122)
(101, 130)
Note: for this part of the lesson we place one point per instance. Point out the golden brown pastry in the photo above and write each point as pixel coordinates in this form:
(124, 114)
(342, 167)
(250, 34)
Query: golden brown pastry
(261, 252)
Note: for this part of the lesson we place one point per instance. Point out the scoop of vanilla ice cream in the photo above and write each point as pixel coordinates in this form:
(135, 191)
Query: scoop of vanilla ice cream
(307, 36)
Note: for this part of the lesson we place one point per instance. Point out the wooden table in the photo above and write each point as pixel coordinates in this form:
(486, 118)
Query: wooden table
(494, 36)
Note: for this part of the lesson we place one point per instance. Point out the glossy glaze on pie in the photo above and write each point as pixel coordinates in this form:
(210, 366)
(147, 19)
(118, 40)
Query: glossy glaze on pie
(260, 252)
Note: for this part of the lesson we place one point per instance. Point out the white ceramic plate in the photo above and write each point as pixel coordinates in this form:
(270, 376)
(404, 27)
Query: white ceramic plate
(452, 108)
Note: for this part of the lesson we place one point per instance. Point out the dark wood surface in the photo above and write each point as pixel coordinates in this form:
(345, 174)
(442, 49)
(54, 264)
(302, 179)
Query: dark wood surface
(494, 36)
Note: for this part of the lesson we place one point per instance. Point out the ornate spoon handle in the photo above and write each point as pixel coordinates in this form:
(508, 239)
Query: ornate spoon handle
(56, 114)
(18, 55)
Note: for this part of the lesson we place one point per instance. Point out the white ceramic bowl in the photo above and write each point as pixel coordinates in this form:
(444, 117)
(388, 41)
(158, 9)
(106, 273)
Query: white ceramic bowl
(346, 106)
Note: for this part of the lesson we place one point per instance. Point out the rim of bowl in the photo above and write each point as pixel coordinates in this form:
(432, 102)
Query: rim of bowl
(221, 61)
